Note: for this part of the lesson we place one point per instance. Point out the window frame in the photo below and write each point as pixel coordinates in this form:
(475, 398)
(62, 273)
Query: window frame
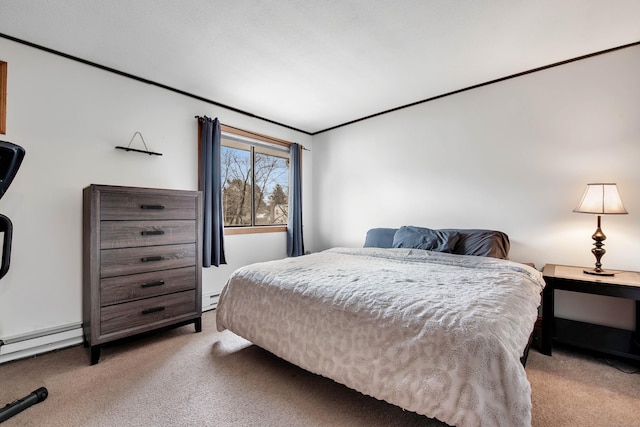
(228, 230)
(3, 97)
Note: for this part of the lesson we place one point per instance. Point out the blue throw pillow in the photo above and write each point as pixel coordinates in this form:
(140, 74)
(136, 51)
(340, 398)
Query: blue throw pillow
(380, 238)
(425, 238)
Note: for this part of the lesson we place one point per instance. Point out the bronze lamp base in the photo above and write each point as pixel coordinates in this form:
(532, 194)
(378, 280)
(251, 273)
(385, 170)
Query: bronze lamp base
(598, 252)
(599, 273)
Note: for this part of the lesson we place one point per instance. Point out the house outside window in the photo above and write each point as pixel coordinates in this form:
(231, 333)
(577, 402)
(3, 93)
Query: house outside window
(255, 184)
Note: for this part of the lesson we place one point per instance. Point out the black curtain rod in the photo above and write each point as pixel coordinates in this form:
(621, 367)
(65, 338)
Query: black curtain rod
(246, 131)
(253, 133)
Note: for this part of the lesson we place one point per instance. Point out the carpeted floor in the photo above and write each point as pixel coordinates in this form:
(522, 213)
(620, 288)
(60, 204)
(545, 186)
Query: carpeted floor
(180, 378)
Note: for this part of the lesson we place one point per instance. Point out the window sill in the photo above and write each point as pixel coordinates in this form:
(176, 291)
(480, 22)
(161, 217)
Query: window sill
(228, 231)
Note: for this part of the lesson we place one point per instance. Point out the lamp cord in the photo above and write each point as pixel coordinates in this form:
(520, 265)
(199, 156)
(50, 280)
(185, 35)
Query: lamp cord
(616, 365)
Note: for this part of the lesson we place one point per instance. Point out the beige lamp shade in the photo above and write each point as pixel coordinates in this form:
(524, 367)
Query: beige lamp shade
(601, 199)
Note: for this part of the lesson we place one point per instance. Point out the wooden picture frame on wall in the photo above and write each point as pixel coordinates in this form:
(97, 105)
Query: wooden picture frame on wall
(3, 97)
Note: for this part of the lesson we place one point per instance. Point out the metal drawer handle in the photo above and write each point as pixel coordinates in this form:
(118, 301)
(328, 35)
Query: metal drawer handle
(152, 258)
(152, 232)
(152, 310)
(152, 284)
(157, 207)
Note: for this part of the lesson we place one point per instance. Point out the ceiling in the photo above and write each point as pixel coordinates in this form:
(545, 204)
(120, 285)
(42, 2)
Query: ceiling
(316, 64)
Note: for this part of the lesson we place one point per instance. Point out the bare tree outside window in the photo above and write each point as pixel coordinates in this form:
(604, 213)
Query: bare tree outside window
(271, 190)
(255, 183)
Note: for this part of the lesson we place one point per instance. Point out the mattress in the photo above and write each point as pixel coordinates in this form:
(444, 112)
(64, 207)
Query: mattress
(438, 334)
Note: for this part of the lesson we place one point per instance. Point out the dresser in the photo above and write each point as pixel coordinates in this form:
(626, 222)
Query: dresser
(142, 262)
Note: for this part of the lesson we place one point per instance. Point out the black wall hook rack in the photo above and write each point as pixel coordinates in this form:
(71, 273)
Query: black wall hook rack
(146, 150)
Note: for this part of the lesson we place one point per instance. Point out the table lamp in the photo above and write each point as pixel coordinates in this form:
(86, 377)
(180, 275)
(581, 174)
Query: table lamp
(600, 199)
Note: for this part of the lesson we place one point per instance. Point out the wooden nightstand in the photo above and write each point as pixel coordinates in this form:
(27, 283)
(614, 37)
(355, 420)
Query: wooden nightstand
(603, 339)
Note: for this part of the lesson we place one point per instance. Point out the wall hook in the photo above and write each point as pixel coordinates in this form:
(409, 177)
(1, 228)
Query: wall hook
(146, 150)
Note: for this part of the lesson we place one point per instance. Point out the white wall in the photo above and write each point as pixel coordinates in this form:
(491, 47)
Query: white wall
(513, 156)
(69, 117)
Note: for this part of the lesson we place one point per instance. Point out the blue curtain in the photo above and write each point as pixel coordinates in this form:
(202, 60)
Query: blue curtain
(211, 187)
(295, 243)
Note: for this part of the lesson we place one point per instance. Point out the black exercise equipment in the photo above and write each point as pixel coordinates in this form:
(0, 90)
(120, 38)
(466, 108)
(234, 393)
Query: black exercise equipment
(11, 156)
(20, 405)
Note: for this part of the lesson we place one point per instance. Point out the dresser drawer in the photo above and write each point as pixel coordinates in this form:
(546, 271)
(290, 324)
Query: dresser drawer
(120, 262)
(119, 289)
(124, 206)
(127, 234)
(148, 311)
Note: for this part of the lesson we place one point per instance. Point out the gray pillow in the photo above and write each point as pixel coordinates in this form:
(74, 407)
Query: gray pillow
(380, 238)
(425, 238)
(479, 242)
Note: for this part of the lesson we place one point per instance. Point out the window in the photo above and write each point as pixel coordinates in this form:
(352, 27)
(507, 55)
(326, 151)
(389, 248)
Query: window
(255, 183)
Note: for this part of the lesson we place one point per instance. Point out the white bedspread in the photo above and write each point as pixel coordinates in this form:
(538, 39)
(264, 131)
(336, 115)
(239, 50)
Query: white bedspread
(438, 334)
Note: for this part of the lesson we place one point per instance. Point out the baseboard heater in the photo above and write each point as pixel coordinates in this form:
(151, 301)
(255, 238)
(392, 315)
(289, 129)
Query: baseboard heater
(210, 301)
(41, 341)
(45, 340)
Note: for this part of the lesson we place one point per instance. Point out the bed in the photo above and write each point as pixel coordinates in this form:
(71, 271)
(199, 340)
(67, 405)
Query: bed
(433, 321)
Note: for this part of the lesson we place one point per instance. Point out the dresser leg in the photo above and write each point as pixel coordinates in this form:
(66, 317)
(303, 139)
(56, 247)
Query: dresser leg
(95, 354)
(198, 324)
